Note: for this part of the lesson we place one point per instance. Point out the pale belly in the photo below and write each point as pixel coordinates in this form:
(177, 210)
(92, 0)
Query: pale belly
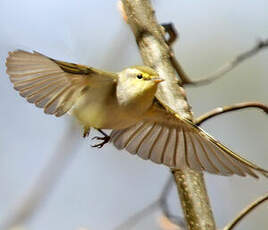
(103, 112)
(101, 117)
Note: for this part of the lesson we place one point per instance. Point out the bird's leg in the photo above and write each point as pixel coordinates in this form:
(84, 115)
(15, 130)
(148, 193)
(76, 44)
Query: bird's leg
(86, 131)
(105, 139)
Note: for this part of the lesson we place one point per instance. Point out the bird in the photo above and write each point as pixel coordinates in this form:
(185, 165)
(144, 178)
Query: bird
(125, 103)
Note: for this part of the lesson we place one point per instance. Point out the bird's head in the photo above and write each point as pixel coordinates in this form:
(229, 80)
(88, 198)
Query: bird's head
(137, 82)
(139, 78)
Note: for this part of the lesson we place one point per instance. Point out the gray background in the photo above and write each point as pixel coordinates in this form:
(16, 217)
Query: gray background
(101, 188)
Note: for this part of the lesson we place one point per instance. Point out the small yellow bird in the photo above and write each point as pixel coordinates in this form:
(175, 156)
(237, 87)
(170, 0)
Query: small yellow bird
(124, 102)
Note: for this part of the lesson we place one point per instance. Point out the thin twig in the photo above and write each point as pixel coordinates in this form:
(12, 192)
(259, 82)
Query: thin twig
(29, 203)
(186, 80)
(225, 109)
(246, 211)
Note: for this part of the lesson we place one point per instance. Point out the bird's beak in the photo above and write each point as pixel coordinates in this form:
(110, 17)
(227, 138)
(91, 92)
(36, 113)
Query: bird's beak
(158, 80)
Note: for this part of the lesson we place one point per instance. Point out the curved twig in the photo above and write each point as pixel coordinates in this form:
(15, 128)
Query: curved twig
(261, 44)
(246, 211)
(225, 109)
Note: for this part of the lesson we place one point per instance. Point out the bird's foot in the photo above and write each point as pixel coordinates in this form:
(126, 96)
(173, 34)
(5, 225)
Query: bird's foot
(105, 139)
(86, 132)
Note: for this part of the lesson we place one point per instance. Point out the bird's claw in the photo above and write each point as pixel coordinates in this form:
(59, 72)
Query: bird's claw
(104, 139)
(86, 132)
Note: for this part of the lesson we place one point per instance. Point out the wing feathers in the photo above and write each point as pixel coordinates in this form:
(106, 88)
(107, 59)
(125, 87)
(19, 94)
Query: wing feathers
(193, 160)
(180, 158)
(168, 159)
(158, 147)
(196, 155)
(180, 147)
(185, 148)
(51, 106)
(217, 162)
(207, 163)
(175, 152)
(143, 140)
(144, 149)
(51, 84)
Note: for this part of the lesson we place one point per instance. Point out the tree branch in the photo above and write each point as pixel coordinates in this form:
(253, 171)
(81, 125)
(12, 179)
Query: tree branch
(156, 53)
(225, 109)
(261, 45)
(246, 211)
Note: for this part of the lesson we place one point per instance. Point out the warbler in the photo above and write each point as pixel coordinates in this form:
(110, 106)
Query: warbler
(124, 102)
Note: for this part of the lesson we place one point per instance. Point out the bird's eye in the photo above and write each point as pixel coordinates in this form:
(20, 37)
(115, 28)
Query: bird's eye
(139, 76)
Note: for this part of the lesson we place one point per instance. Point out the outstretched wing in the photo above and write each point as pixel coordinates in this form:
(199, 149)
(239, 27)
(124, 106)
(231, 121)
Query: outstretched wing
(51, 84)
(165, 138)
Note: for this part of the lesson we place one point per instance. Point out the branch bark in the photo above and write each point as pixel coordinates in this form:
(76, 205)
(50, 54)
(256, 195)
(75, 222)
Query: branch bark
(156, 53)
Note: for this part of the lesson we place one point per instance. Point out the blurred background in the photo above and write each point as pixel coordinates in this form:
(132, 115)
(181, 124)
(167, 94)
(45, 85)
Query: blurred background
(99, 189)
